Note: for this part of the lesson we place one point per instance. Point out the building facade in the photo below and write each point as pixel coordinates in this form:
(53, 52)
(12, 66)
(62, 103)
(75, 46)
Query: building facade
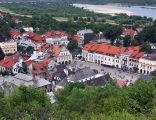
(9, 47)
(62, 55)
(147, 64)
(113, 56)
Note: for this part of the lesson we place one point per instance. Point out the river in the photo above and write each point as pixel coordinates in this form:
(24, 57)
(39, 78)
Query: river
(148, 11)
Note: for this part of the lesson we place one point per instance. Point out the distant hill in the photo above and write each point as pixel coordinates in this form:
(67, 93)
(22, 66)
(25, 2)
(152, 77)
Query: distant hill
(140, 2)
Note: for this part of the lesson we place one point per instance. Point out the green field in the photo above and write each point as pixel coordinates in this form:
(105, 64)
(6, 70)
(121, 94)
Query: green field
(61, 19)
(6, 10)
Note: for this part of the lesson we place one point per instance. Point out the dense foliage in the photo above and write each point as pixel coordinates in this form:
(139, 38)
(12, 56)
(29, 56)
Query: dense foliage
(25, 103)
(148, 34)
(133, 102)
(76, 101)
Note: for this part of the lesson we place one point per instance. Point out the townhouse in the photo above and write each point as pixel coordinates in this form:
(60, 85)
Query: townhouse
(60, 54)
(56, 37)
(126, 31)
(9, 47)
(105, 54)
(147, 64)
(31, 39)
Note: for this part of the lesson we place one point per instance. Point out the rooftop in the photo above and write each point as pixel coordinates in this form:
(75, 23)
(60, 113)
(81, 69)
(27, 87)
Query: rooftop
(8, 61)
(107, 49)
(23, 79)
(150, 57)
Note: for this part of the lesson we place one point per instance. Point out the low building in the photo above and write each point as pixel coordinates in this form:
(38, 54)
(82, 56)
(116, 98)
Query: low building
(153, 46)
(12, 64)
(26, 42)
(40, 69)
(61, 55)
(85, 75)
(129, 32)
(28, 29)
(147, 64)
(27, 80)
(9, 47)
(56, 37)
(15, 34)
(86, 36)
(7, 64)
(31, 39)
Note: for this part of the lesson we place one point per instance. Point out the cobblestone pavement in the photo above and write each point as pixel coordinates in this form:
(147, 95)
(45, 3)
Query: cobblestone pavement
(114, 72)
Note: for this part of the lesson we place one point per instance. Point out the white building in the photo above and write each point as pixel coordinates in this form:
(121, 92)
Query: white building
(56, 37)
(147, 64)
(27, 80)
(62, 55)
(62, 40)
(26, 42)
(28, 29)
(9, 47)
(113, 56)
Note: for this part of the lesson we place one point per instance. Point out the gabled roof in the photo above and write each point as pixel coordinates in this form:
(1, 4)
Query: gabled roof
(15, 33)
(35, 37)
(129, 32)
(76, 37)
(55, 34)
(8, 62)
(40, 67)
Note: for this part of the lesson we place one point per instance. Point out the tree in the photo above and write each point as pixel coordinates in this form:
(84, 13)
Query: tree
(127, 41)
(30, 49)
(112, 32)
(73, 44)
(29, 102)
(145, 47)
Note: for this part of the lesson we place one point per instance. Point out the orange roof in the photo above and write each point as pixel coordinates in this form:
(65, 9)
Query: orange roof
(105, 48)
(55, 34)
(14, 33)
(35, 37)
(76, 37)
(56, 50)
(39, 67)
(130, 32)
(46, 61)
(88, 46)
(44, 47)
(8, 62)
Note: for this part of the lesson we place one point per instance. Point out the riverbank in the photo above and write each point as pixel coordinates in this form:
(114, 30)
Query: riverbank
(104, 10)
(112, 9)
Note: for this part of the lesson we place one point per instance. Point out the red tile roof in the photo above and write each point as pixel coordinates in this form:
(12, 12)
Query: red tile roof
(130, 32)
(56, 50)
(108, 49)
(14, 33)
(77, 38)
(56, 34)
(44, 47)
(35, 37)
(39, 67)
(8, 62)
